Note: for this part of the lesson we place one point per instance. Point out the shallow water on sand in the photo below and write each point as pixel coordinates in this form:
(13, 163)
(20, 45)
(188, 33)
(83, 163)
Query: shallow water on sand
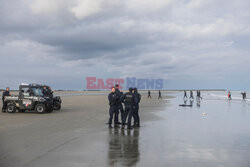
(214, 132)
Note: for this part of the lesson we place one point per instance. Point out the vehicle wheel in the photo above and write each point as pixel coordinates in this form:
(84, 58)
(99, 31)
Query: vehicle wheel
(40, 108)
(11, 108)
(57, 106)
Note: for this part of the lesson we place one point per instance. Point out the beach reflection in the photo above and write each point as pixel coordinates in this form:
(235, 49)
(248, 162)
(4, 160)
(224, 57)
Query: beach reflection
(123, 147)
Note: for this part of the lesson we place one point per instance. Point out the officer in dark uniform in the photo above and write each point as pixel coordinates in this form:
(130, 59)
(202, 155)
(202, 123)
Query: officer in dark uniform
(5, 93)
(130, 100)
(136, 111)
(112, 103)
(119, 107)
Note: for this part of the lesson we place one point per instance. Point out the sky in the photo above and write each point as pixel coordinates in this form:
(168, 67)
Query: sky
(191, 44)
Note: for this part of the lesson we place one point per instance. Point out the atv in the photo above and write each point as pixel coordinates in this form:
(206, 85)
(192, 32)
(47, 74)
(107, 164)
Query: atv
(30, 98)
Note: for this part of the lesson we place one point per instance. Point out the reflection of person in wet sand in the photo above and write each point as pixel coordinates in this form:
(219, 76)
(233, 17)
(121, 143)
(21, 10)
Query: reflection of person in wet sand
(191, 102)
(198, 103)
(123, 147)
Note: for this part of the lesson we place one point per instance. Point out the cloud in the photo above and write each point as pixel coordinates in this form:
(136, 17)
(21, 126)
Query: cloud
(44, 6)
(146, 5)
(64, 41)
(85, 8)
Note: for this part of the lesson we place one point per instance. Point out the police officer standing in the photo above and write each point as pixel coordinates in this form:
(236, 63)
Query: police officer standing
(136, 110)
(119, 107)
(130, 100)
(5, 93)
(112, 103)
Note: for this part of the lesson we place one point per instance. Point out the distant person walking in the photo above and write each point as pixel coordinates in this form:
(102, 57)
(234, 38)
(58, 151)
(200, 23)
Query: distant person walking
(229, 95)
(185, 94)
(244, 95)
(149, 94)
(191, 95)
(5, 93)
(159, 97)
(198, 96)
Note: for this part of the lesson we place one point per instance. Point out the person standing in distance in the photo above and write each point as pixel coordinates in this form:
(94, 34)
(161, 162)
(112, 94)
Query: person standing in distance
(149, 94)
(112, 103)
(159, 97)
(130, 100)
(229, 96)
(5, 93)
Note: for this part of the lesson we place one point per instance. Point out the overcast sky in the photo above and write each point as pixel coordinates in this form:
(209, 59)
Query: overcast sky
(188, 43)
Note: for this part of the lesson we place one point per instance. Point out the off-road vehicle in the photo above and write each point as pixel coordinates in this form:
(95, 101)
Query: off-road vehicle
(56, 99)
(30, 98)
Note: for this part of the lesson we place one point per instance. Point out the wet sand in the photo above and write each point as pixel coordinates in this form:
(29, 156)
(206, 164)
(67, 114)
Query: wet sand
(77, 135)
(214, 132)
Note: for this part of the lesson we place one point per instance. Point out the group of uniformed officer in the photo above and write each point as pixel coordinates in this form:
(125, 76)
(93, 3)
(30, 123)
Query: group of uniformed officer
(131, 101)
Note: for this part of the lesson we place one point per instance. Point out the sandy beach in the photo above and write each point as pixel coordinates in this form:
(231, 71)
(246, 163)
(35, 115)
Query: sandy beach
(31, 139)
(213, 132)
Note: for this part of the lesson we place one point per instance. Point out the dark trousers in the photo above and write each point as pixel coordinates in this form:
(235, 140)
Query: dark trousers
(136, 115)
(4, 105)
(119, 108)
(112, 112)
(129, 111)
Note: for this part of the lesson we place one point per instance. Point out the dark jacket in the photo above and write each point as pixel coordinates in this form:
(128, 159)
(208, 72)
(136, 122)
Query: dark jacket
(5, 93)
(129, 98)
(138, 96)
(113, 99)
(119, 94)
